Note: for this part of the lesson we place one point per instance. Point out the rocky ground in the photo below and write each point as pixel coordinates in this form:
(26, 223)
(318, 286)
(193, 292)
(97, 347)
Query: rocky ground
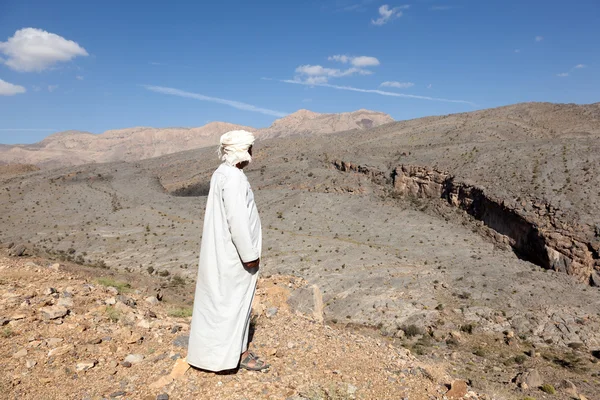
(416, 270)
(68, 335)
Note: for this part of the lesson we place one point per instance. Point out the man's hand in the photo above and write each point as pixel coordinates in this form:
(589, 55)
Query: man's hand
(251, 264)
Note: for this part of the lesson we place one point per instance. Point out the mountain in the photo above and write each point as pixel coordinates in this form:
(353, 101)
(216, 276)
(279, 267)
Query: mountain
(133, 144)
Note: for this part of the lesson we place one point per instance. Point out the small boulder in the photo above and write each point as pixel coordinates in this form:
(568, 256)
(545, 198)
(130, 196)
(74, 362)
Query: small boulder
(29, 363)
(85, 365)
(134, 358)
(181, 341)
(54, 312)
(20, 353)
(59, 351)
(458, 389)
(568, 387)
(530, 378)
(18, 250)
(152, 300)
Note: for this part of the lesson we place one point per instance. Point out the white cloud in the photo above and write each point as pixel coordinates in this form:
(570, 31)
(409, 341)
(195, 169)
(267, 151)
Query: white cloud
(232, 103)
(563, 74)
(399, 85)
(579, 66)
(52, 88)
(32, 49)
(8, 89)
(380, 92)
(79, 77)
(539, 38)
(315, 74)
(386, 14)
(360, 61)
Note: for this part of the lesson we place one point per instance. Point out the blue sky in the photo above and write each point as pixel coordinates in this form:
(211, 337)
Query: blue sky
(99, 65)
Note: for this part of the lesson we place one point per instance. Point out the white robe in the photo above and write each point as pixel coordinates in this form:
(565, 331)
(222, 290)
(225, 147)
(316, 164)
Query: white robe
(225, 289)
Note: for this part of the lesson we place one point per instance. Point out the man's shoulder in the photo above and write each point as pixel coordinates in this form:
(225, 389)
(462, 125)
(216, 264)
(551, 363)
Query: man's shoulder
(229, 173)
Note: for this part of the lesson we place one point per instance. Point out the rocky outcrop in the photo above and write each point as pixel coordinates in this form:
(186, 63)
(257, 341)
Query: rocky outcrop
(532, 227)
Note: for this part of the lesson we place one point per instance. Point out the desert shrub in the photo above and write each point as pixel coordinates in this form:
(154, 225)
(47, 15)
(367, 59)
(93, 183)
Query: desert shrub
(121, 286)
(181, 312)
(411, 330)
(112, 313)
(547, 388)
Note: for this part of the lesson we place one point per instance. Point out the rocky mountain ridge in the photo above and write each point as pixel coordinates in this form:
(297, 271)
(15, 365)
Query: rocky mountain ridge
(133, 144)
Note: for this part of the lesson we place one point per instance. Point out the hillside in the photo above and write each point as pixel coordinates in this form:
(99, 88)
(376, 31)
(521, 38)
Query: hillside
(65, 333)
(133, 144)
(476, 233)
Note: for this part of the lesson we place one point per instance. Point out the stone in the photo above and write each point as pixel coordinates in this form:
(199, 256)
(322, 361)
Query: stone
(161, 382)
(54, 312)
(120, 393)
(152, 300)
(66, 302)
(126, 300)
(531, 378)
(458, 389)
(111, 301)
(162, 396)
(49, 291)
(126, 364)
(135, 338)
(17, 317)
(271, 312)
(568, 387)
(85, 365)
(179, 369)
(595, 278)
(29, 363)
(134, 358)
(59, 351)
(53, 341)
(145, 324)
(112, 290)
(181, 341)
(18, 250)
(95, 341)
(175, 329)
(20, 353)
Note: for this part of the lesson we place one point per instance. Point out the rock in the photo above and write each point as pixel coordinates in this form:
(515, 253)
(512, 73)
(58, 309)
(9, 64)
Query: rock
(152, 300)
(135, 338)
(531, 378)
(458, 389)
(29, 363)
(595, 278)
(126, 300)
(66, 302)
(126, 364)
(175, 329)
(55, 267)
(111, 301)
(134, 358)
(112, 290)
(17, 317)
(120, 393)
(53, 341)
(18, 250)
(271, 312)
(145, 324)
(20, 353)
(49, 291)
(59, 351)
(95, 341)
(181, 341)
(85, 365)
(179, 369)
(568, 387)
(161, 382)
(162, 396)
(54, 312)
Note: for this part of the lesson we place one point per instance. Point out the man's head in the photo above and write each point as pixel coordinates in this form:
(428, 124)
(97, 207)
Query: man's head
(236, 148)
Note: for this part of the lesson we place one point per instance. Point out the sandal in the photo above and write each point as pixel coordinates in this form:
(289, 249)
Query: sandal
(259, 364)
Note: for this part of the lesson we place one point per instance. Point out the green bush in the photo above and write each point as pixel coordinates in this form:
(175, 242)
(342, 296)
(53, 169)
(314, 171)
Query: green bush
(548, 388)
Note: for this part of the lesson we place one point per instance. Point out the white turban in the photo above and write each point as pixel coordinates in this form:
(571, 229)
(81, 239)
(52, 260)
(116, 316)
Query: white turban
(234, 147)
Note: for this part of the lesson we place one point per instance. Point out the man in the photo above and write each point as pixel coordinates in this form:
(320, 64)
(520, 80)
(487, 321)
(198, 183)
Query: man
(228, 268)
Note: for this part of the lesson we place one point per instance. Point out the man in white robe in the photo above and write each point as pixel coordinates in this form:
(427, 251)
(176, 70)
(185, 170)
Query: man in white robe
(228, 267)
